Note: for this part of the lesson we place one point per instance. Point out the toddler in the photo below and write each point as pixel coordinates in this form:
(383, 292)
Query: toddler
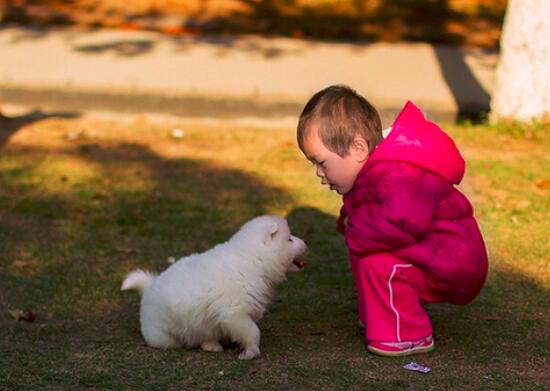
(411, 235)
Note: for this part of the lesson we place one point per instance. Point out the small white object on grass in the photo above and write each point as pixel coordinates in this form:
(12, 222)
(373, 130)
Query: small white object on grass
(177, 133)
(413, 366)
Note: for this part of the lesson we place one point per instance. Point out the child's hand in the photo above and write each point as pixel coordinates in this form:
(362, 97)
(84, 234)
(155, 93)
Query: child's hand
(342, 224)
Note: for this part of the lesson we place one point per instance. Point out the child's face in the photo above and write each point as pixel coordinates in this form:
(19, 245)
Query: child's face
(337, 172)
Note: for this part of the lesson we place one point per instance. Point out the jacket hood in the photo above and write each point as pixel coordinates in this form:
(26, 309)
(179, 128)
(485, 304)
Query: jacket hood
(414, 139)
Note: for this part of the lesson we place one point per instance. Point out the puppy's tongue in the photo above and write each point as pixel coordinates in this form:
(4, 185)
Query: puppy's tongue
(300, 263)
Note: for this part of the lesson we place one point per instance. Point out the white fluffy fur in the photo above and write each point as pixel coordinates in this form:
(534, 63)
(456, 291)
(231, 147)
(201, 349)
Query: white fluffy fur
(220, 294)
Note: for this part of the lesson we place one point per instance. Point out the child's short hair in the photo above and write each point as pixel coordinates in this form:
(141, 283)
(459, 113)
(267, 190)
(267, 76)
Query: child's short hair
(340, 114)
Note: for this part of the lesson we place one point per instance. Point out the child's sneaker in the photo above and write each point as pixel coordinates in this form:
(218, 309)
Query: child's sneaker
(393, 349)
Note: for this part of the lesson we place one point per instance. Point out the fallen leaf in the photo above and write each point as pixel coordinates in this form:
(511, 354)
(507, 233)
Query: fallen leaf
(130, 26)
(173, 30)
(20, 263)
(543, 184)
(27, 316)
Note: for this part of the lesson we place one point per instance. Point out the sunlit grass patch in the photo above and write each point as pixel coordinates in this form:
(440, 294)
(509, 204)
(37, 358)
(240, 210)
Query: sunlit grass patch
(508, 177)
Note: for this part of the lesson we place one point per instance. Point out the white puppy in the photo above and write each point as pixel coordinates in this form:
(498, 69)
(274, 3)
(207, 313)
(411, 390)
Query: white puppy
(220, 294)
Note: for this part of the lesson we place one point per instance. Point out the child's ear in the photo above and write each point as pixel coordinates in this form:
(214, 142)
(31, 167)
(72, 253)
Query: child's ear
(360, 149)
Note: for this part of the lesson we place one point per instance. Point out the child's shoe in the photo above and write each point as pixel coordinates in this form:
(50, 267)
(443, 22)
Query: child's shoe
(394, 349)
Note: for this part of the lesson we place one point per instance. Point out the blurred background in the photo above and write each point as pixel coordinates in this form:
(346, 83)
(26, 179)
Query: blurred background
(460, 22)
(250, 58)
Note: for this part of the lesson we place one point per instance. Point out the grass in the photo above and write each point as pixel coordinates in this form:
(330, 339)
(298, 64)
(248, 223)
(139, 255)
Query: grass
(83, 201)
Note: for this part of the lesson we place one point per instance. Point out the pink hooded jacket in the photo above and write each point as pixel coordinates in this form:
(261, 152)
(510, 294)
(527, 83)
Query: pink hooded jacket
(404, 202)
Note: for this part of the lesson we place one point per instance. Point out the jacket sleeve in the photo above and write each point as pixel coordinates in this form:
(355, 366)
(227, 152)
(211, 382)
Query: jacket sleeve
(341, 223)
(406, 199)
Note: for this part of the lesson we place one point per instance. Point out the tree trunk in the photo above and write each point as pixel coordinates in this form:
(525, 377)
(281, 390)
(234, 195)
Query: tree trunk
(523, 75)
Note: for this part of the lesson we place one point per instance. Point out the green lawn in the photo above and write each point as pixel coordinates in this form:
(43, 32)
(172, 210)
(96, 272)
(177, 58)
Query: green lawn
(84, 201)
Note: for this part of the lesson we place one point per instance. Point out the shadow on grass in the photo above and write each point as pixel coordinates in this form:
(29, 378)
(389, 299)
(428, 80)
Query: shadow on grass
(10, 125)
(508, 323)
(76, 240)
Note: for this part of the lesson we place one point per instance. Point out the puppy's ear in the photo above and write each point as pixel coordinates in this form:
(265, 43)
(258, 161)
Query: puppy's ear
(271, 232)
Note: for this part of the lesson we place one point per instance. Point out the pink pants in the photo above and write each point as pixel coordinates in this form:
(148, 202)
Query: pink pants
(388, 298)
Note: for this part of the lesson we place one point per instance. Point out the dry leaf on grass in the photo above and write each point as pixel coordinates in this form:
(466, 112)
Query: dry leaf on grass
(20, 263)
(543, 184)
(27, 316)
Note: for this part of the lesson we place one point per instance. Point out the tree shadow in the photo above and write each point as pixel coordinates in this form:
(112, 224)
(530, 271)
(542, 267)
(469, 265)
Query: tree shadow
(472, 100)
(323, 297)
(125, 48)
(10, 125)
(318, 229)
(508, 319)
(77, 241)
(229, 44)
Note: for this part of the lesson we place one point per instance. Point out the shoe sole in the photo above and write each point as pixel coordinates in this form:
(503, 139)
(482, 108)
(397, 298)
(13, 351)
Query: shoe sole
(415, 350)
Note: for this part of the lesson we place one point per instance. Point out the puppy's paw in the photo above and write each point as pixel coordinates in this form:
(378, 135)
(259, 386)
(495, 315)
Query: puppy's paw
(249, 353)
(212, 346)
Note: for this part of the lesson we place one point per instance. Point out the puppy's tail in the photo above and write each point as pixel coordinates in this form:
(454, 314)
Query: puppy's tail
(138, 280)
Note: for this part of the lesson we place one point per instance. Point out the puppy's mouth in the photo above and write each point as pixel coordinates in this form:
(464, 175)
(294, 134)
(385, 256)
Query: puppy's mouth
(298, 265)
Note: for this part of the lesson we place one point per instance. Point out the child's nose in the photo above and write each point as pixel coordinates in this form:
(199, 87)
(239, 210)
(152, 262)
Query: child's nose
(319, 172)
